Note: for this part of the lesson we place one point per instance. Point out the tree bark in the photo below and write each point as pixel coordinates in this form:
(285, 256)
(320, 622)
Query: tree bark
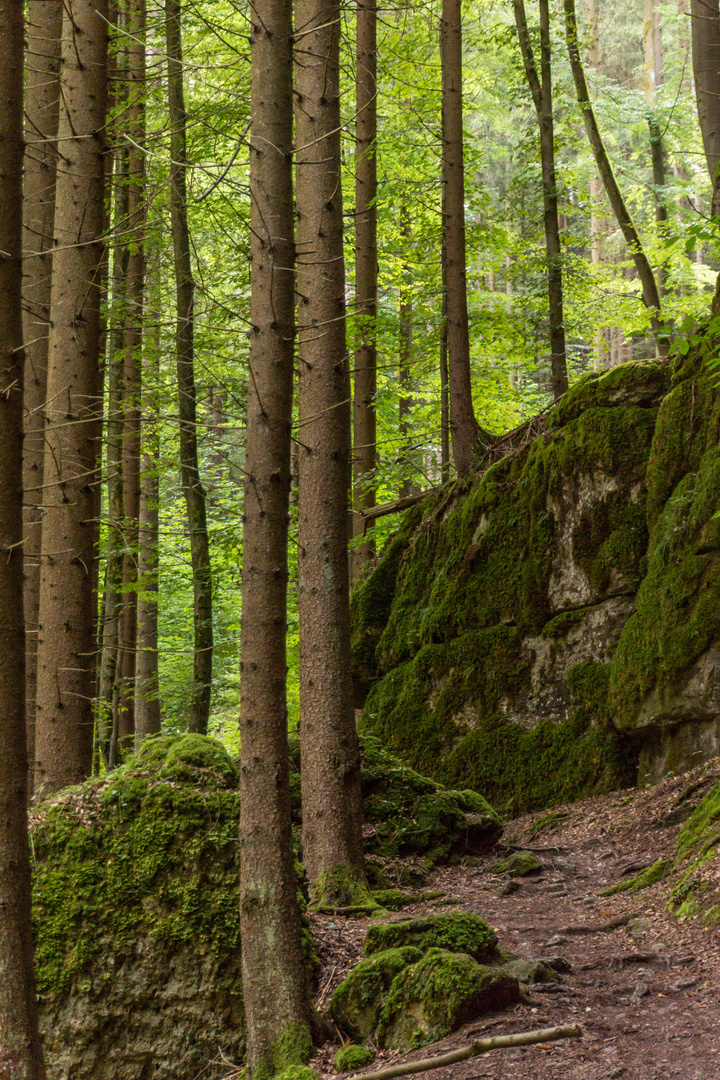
(365, 381)
(193, 489)
(464, 428)
(331, 799)
(132, 351)
(597, 219)
(405, 381)
(68, 611)
(652, 41)
(20, 1048)
(41, 119)
(274, 983)
(705, 22)
(541, 90)
(644, 270)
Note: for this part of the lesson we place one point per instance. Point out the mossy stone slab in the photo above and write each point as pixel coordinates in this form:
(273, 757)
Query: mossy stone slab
(519, 864)
(438, 994)
(460, 932)
(358, 1000)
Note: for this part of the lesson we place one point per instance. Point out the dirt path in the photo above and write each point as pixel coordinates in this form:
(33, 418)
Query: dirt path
(644, 986)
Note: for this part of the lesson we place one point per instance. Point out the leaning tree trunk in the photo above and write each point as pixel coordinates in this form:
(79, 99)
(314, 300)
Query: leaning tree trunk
(274, 982)
(650, 295)
(541, 90)
(705, 22)
(465, 431)
(331, 800)
(68, 602)
(132, 355)
(187, 399)
(20, 1047)
(41, 119)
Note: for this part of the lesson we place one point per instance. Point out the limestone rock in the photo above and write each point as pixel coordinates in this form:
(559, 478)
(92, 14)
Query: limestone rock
(439, 993)
(358, 1000)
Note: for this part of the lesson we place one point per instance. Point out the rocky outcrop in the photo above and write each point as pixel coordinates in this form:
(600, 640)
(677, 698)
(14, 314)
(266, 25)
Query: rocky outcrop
(550, 628)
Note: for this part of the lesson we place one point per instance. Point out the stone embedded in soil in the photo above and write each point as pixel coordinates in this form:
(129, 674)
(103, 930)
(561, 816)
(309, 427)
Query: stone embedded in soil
(531, 971)
(438, 994)
(519, 864)
(460, 932)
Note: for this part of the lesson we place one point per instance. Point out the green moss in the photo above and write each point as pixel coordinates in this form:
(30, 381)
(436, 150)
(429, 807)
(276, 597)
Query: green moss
(520, 770)
(560, 625)
(353, 1057)
(436, 995)
(519, 864)
(296, 1072)
(638, 383)
(358, 1000)
(650, 876)
(342, 887)
(460, 932)
(138, 854)
(547, 823)
(702, 829)
(698, 848)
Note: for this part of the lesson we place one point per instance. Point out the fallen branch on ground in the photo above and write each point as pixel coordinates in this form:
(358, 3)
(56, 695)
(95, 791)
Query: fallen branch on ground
(480, 1046)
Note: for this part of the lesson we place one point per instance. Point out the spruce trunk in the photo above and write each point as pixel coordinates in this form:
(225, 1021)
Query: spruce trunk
(20, 1049)
(464, 428)
(41, 119)
(274, 981)
(331, 799)
(68, 603)
(705, 22)
(193, 489)
(366, 266)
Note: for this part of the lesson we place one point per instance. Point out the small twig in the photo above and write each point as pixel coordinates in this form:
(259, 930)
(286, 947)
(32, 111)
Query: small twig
(480, 1046)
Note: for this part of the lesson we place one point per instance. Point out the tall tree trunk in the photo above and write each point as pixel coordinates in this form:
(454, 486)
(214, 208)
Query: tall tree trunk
(147, 688)
(652, 40)
(597, 218)
(705, 22)
(274, 982)
(644, 270)
(20, 1048)
(41, 119)
(444, 390)
(541, 90)
(365, 381)
(405, 344)
(187, 399)
(68, 612)
(331, 800)
(465, 430)
(132, 348)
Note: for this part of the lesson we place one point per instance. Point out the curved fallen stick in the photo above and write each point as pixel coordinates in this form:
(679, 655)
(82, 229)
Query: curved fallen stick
(480, 1046)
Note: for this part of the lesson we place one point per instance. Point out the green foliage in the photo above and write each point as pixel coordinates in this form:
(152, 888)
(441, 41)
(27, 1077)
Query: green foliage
(353, 1057)
(460, 932)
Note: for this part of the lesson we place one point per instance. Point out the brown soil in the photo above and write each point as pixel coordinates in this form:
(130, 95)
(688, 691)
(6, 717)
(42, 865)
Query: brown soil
(646, 992)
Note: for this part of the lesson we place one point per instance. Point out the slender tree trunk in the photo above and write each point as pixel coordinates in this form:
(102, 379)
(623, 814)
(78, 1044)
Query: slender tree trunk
(541, 90)
(41, 119)
(331, 800)
(187, 398)
(644, 270)
(597, 218)
(444, 390)
(132, 351)
(465, 430)
(66, 639)
(652, 40)
(20, 1048)
(705, 22)
(405, 343)
(274, 982)
(365, 381)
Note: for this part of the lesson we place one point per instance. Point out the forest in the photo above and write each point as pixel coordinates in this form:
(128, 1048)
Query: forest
(360, 508)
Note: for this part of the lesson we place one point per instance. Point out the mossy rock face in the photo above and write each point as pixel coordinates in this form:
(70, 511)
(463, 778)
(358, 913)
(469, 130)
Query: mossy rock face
(695, 892)
(519, 864)
(457, 932)
(438, 994)
(136, 917)
(358, 1000)
(353, 1057)
(509, 585)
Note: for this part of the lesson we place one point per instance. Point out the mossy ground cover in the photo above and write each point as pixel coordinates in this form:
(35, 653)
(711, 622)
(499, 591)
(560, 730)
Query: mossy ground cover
(461, 932)
(696, 890)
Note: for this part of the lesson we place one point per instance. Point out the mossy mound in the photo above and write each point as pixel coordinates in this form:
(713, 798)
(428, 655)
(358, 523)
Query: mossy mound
(358, 1000)
(519, 864)
(503, 598)
(353, 1057)
(136, 916)
(531, 971)
(647, 877)
(457, 932)
(695, 891)
(439, 993)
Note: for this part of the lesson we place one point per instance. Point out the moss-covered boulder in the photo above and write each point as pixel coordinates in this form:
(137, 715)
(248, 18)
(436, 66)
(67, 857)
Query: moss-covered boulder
(349, 1058)
(456, 932)
(439, 993)
(695, 892)
(519, 864)
(531, 971)
(511, 593)
(357, 1003)
(136, 918)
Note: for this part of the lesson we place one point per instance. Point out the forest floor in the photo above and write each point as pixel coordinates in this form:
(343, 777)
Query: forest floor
(644, 986)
